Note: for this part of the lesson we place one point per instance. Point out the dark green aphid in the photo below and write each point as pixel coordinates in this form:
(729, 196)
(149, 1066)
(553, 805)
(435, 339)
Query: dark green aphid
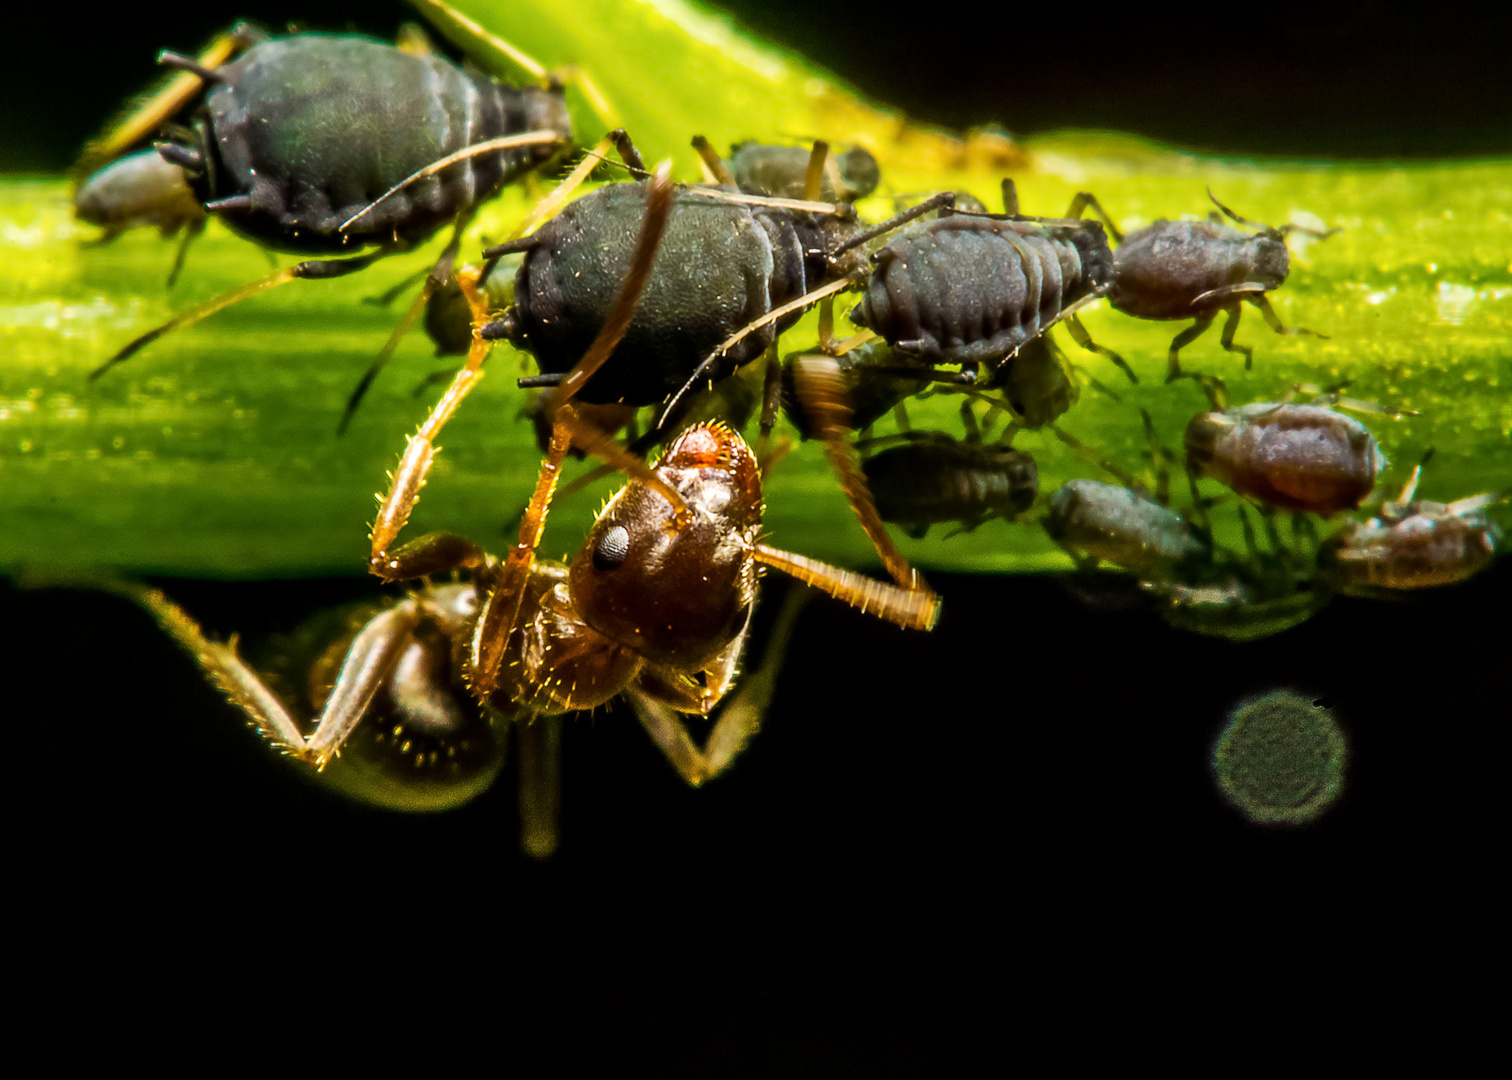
(326, 144)
(301, 134)
(721, 265)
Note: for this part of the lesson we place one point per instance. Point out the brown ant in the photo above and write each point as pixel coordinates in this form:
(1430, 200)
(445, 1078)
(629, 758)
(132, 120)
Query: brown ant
(658, 598)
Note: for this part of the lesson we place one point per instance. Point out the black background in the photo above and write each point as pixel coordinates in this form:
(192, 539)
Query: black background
(946, 854)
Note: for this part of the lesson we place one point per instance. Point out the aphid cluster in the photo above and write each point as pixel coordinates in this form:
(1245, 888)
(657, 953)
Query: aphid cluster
(643, 292)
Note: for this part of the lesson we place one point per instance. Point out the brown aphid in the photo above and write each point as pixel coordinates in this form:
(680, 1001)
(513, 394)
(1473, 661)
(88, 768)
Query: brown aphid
(1296, 457)
(1197, 269)
(1413, 544)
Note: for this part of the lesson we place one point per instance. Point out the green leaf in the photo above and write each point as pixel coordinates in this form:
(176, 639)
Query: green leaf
(214, 452)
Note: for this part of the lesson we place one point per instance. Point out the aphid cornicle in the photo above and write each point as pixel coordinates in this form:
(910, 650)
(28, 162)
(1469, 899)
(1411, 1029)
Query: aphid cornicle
(780, 170)
(972, 290)
(1296, 457)
(1413, 544)
(140, 190)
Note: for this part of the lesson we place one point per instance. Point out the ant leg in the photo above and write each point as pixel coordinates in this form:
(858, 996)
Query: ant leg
(1181, 341)
(822, 392)
(500, 612)
(171, 99)
(1082, 201)
(369, 662)
(538, 742)
(407, 480)
(438, 276)
(1079, 333)
(315, 269)
(739, 718)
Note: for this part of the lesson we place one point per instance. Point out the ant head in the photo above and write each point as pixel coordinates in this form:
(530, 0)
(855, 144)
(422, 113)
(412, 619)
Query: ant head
(676, 595)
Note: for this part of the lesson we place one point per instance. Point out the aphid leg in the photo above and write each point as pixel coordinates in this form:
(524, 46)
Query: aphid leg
(1274, 321)
(438, 276)
(822, 392)
(945, 200)
(1181, 341)
(1083, 201)
(393, 292)
(538, 745)
(740, 715)
(714, 168)
(313, 269)
(1157, 461)
(771, 399)
(1230, 328)
(1087, 454)
(171, 99)
(191, 233)
(1079, 333)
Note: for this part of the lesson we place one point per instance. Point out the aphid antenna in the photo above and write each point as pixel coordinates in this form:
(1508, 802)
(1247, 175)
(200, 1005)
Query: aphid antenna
(943, 201)
(488, 146)
(702, 372)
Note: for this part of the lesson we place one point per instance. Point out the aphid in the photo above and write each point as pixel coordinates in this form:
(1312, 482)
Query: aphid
(1096, 521)
(1296, 457)
(723, 264)
(781, 171)
(375, 697)
(325, 145)
(932, 478)
(139, 190)
(1413, 544)
(1196, 269)
(973, 290)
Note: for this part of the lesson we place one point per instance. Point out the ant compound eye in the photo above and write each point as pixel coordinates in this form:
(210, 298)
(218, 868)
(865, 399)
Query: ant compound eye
(611, 549)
